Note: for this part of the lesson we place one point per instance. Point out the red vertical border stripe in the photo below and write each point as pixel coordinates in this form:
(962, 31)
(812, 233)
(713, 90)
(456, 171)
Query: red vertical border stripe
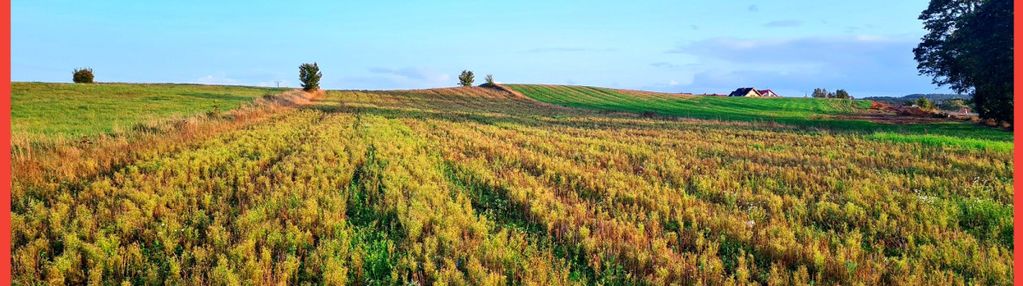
(1016, 155)
(5, 152)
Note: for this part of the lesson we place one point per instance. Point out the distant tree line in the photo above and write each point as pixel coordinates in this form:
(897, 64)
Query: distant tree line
(824, 93)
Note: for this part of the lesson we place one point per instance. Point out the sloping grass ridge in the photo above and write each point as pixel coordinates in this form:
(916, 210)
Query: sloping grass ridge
(798, 112)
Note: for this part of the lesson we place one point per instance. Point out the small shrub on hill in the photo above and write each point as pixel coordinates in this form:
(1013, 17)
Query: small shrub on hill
(489, 81)
(82, 75)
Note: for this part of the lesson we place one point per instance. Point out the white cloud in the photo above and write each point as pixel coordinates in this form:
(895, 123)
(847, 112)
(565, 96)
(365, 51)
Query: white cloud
(413, 73)
(219, 79)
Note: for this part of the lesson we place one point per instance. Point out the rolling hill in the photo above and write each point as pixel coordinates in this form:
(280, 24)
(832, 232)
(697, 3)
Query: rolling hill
(833, 115)
(63, 110)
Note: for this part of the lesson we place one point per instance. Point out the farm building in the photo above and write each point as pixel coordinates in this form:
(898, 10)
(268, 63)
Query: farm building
(753, 92)
(745, 92)
(767, 93)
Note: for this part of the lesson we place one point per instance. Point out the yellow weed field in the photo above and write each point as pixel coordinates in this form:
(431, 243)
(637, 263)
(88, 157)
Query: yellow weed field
(477, 186)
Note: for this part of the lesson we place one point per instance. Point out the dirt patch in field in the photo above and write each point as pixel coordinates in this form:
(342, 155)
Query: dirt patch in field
(885, 113)
(891, 118)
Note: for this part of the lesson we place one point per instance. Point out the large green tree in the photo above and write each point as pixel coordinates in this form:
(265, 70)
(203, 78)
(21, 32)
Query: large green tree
(969, 49)
(309, 75)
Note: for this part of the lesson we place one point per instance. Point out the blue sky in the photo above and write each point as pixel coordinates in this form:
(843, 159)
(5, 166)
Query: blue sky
(678, 46)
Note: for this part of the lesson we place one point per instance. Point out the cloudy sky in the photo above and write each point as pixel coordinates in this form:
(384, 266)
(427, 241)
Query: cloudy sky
(677, 46)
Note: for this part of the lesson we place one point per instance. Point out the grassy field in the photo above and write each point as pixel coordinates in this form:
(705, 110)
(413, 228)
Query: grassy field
(477, 186)
(803, 112)
(703, 107)
(48, 110)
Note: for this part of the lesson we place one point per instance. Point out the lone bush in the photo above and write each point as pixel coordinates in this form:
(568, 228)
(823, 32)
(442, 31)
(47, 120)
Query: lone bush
(466, 78)
(924, 103)
(489, 81)
(82, 75)
(310, 75)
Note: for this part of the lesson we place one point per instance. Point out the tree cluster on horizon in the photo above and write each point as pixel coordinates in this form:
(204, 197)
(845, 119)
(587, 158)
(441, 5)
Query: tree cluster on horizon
(824, 93)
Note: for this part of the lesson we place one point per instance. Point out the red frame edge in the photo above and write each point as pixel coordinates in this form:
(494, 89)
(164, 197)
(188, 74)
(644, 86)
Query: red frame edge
(1016, 155)
(5, 152)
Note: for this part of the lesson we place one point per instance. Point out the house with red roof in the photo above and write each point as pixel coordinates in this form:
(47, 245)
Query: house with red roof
(767, 93)
(753, 92)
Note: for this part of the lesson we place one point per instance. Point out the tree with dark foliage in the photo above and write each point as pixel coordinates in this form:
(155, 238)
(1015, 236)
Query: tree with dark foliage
(969, 49)
(841, 93)
(466, 78)
(82, 75)
(310, 75)
(820, 93)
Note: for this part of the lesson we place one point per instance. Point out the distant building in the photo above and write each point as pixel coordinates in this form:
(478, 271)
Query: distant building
(753, 92)
(767, 93)
(745, 92)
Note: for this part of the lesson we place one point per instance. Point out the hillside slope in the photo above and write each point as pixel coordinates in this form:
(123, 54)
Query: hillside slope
(74, 110)
(824, 114)
(703, 107)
